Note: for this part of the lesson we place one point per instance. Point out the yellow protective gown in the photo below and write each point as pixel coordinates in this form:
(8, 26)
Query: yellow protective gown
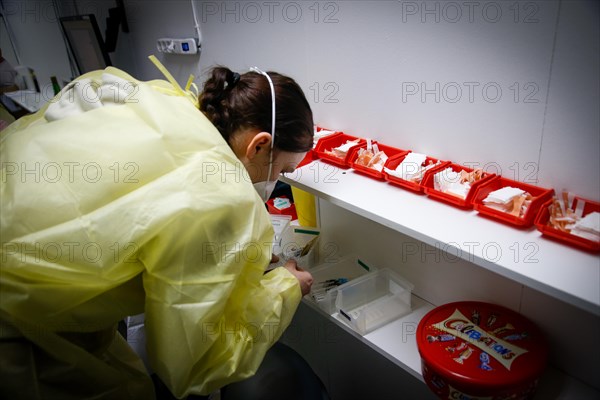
(119, 198)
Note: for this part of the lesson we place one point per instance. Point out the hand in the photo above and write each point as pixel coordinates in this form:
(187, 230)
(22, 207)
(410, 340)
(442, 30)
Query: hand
(304, 277)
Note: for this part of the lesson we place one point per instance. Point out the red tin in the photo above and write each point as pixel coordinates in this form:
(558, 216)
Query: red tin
(476, 350)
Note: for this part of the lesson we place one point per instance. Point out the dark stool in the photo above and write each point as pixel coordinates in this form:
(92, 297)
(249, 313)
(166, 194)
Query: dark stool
(283, 374)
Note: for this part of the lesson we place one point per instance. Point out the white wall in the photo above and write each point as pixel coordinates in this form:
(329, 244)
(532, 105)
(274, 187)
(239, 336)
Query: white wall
(573, 119)
(511, 86)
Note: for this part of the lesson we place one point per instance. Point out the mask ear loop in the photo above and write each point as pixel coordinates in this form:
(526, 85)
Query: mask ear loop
(259, 71)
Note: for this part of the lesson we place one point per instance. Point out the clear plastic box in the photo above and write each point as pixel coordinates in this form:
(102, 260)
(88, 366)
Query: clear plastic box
(349, 267)
(374, 300)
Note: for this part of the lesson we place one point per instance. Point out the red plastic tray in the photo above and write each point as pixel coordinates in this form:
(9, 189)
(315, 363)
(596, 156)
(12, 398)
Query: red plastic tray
(373, 173)
(319, 128)
(308, 158)
(312, 155)
(543, 216)
(329, 142)
(540, 196)
(466, 203)
(393, 162)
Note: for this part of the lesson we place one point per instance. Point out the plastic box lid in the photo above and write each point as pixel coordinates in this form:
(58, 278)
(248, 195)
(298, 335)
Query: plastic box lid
(373, 300)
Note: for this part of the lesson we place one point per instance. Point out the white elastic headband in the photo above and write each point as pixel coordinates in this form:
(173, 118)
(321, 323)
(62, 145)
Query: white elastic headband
(260, 71)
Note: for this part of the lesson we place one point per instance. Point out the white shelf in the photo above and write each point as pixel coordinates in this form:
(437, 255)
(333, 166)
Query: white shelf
(524, 256)
(397, 342)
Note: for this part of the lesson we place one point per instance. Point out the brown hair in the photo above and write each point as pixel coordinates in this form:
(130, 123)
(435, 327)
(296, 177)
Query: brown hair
(232, 102)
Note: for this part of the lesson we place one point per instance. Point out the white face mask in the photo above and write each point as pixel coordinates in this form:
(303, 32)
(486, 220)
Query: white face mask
(265, 188)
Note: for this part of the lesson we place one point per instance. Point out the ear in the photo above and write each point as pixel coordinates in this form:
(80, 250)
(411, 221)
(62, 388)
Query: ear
(258, 145)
